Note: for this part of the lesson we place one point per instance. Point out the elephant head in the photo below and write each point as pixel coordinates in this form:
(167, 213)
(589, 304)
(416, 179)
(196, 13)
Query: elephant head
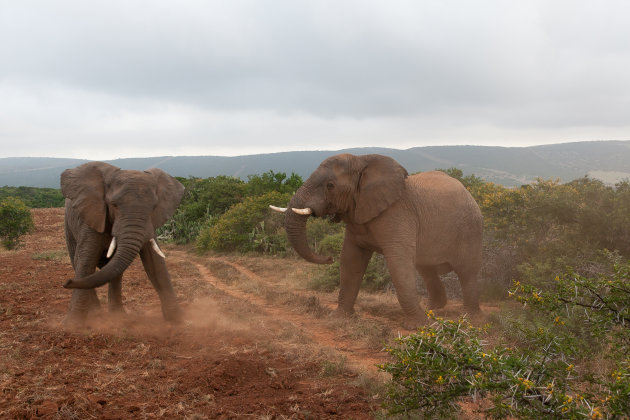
(355, 189)
(129, 205)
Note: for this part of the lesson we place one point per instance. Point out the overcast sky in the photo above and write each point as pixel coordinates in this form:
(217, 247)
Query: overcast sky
(110, 79)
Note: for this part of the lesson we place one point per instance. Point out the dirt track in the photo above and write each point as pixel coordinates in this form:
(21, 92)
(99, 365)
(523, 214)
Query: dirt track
(254, 343)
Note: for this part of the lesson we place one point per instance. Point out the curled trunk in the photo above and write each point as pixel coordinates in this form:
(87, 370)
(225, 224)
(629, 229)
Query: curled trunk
(127, 249)
(295, 225)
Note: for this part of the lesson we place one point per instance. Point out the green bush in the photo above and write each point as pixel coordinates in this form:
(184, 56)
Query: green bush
(271, 181)
(207, 199)
(324, 236)
(376, 276)
(537, 230)
(15, 220)
(568, 356)
(232, 230)
(204, 199)
(471, 182)
(269, 238)
(34, 197)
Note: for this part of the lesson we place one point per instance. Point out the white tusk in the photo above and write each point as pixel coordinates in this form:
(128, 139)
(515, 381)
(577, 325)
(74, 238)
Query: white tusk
(112, 247)
(156, 248)
(278, 209)
(303, 212)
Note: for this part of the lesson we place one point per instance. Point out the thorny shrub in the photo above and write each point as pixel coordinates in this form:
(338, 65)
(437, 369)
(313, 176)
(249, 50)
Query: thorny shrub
(570, 360)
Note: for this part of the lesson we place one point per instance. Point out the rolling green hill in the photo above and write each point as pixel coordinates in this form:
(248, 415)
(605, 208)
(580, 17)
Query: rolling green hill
(606, 160)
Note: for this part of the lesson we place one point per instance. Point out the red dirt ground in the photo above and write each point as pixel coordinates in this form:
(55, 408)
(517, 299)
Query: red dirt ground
(237, 354)
(255, 342)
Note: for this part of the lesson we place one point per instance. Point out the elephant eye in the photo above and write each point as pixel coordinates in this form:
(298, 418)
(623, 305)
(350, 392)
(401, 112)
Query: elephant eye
(330, 186)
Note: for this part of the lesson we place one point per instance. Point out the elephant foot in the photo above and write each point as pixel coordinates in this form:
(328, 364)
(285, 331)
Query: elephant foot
(342, 313)
(173, 315)
(117, 309)
(118, 314)
(414, 322)
(472, 308)
(74, 320)
(437, 303)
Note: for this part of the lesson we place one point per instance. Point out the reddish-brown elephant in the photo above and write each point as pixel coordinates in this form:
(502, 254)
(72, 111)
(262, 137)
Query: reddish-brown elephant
(110, 217)
(426, 222)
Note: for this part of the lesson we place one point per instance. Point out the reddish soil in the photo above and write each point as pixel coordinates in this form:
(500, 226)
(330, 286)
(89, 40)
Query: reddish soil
(238, 354)
(255, 342)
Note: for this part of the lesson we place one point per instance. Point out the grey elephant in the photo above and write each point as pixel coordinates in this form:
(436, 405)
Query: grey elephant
(426, 222)
(110, 217)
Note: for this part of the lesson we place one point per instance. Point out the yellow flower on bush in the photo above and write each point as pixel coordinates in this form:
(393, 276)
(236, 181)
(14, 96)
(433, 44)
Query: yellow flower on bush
(596, 413)
(439, 380)
(526, 383)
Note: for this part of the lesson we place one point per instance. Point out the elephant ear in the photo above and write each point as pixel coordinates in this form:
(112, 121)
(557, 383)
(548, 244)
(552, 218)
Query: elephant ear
(170, 192)
(381, 184)
(85, 187)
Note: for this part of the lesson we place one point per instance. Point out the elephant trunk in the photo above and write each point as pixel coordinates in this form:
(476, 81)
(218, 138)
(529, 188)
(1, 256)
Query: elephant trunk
(128, 247)
(295, 225)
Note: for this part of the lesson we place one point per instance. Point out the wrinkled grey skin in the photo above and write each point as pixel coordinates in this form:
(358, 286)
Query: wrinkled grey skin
(103, 201)
(426, 222)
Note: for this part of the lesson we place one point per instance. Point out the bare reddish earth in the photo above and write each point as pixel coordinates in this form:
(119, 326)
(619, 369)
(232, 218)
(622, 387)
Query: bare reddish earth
(236, 355)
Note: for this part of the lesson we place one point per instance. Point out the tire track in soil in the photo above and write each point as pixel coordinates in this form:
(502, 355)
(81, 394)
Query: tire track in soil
(357, 357)
(329, 305)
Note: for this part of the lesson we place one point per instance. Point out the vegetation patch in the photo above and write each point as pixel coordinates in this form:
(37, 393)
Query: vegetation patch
(57, 255)
(565, 356)
(15, 221)
(231, 231)
(34, 197)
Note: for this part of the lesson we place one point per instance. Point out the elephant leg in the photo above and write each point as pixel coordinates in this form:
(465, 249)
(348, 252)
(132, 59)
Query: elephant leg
(468, 281)
(71, 243)
(353, 263)
(403, 272)
(114, 296)
(435, 287)
(155, 266)
(86, 258)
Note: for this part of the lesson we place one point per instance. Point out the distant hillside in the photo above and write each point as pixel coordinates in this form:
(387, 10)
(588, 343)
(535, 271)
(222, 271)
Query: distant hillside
(606, 160)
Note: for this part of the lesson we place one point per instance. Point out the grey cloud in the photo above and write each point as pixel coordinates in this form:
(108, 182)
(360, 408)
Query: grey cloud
(512, 65)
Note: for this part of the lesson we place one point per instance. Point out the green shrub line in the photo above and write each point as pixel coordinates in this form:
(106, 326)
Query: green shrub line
(34, 197)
